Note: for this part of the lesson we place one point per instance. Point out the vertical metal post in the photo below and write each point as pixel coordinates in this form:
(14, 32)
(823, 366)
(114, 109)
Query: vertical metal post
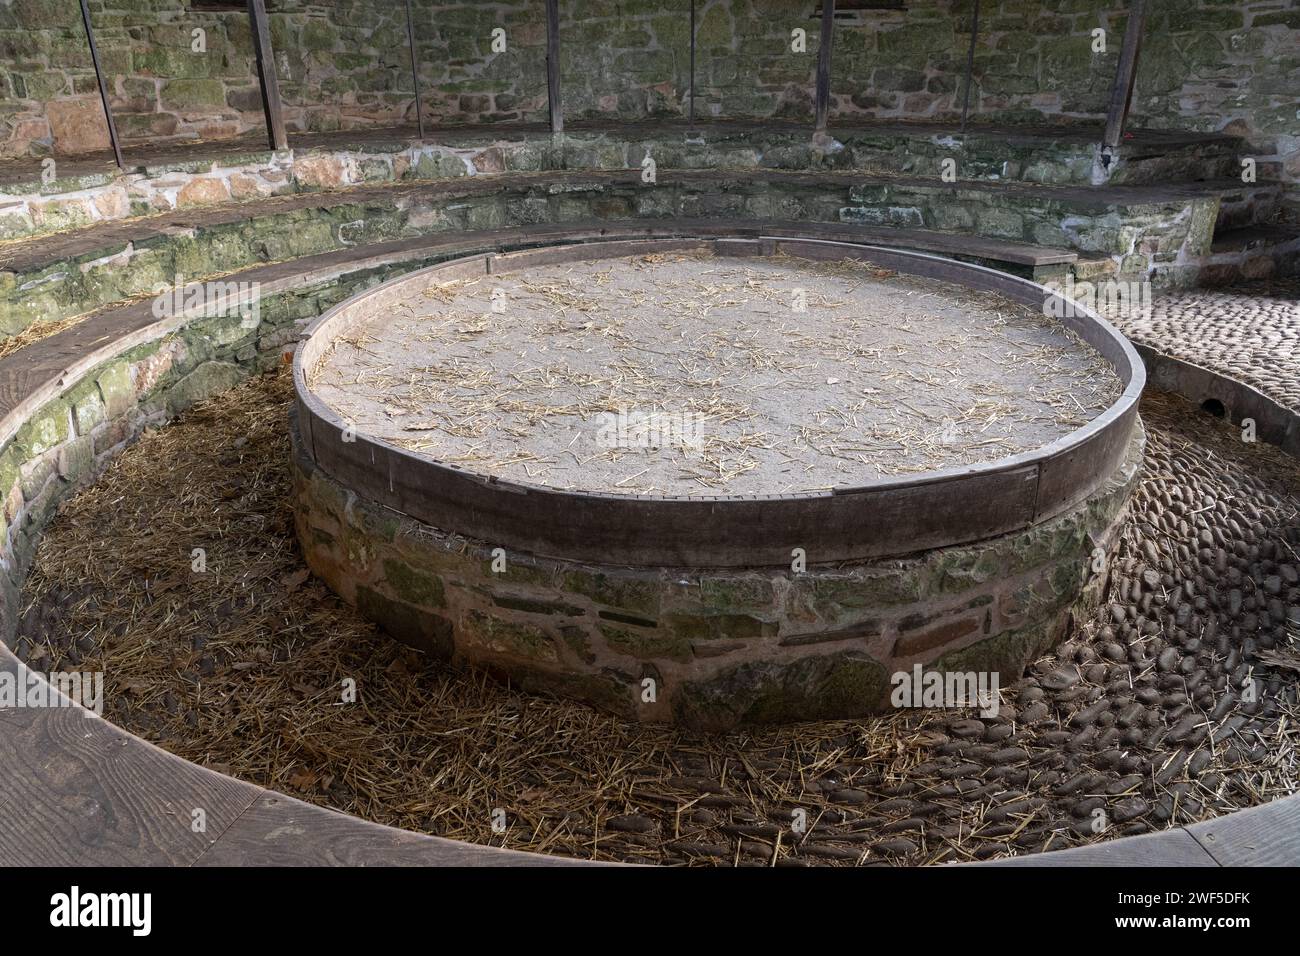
(692, 97)
(266, 73)
(1121, 93)
(824, 64)
(553, 65)
(970, 64)
(415, 67)
(103, 86)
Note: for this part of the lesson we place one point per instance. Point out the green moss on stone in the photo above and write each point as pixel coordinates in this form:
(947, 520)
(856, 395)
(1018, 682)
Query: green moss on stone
(210, 378)
(114, 383)
(840, 685)
(413, 586)
(415, 626)
(513, 638)
(639, 593)
(47, 429)
(647, 643)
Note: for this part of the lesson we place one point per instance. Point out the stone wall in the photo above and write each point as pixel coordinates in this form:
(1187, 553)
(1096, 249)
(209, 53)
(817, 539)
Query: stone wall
(1207, 64)
(632, 60)
(160, 88)
(722, 646)
(62, 443)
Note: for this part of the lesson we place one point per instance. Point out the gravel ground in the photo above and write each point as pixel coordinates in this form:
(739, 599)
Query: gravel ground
(1176, 701)
(1250, 332)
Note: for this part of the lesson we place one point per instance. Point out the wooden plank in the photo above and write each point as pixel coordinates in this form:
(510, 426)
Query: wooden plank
(78, 791)
(1074, 473)
(927, 240)
(553, 65)
(1167, 848)
(266, 74)
(103, 86)
(415, 67)
(1121, 91)
(691, 115)
(1274, 422)
(824, 64)
(900, 518)
(931, 267)
(970, 64)
(281, 831)
(571, 252)
(1268, 835)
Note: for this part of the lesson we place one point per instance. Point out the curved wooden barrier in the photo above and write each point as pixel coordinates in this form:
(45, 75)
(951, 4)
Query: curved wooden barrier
(79, 791)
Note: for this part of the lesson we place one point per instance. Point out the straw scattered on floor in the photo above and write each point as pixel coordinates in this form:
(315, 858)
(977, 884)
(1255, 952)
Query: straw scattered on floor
(242, 668)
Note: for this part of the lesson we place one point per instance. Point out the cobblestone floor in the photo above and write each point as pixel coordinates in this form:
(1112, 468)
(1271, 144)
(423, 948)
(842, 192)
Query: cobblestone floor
(1250, 332)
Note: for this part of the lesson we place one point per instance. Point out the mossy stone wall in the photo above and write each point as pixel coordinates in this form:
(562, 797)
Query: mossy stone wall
(710, 648)
(1206, 65)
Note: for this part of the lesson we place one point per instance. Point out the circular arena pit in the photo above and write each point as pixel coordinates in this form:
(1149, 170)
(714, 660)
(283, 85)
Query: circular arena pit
(716, 481)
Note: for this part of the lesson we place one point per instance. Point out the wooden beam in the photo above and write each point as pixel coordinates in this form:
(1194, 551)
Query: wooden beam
(692, 96)
(824, 64)
(553, 65)
(103, 86)
(970, 63)
(1121, 93)
(415, 67)
(266, 73)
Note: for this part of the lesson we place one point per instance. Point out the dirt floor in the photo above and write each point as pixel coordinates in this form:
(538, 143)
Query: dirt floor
(1138, 723)
(687, 374)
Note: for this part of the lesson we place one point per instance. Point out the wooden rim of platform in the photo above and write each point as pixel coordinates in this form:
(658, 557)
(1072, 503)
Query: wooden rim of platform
(887, 517)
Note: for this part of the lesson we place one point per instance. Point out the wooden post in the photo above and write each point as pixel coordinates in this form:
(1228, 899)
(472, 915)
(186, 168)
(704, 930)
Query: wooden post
(415, 67)
(692, 96)
(553, 65)
(824, 65)
(1121, 93)
(103, 86)
(970, 63)
(266, 73)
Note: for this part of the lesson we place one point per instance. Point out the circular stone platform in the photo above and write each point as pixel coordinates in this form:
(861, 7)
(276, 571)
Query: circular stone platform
(715, 480)
(682, 373)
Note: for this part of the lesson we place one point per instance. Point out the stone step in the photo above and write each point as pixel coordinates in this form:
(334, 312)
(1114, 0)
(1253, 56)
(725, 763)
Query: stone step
(1251, 252)
(75, 191)
(1253, 238)
(1247, 204)
(1035, 262)
(1148, 231)
(1148, 157)
(301, 288)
